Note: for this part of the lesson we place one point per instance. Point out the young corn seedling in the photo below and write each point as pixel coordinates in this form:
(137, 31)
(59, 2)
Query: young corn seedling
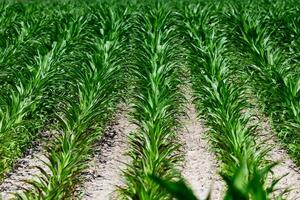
(156, 103)
(237, 187)
(96, 84)
(221, 103)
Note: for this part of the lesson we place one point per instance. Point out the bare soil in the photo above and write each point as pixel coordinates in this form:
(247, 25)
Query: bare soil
(286, 165)
(105, 167)
(200, 168)
(24, 168)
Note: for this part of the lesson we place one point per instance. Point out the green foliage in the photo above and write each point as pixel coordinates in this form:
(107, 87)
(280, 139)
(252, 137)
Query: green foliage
(272, 73)
(178, 189)
(23, 87)
(254, 187)
(68, 63)
(237, 187)
(96, 86)
(156, 102)
(222, 104)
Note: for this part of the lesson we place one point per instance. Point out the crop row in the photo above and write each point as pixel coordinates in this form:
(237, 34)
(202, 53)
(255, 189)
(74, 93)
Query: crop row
(156, 103)
(64, 68)
(272, 71)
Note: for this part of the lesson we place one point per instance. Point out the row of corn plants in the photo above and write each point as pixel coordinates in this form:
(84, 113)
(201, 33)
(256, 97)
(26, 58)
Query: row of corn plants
(155, 67)
(95, 85)
(222, 104)
(271, 74)
(28, 90)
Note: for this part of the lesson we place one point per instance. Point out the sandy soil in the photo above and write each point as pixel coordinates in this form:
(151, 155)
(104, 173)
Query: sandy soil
(278, 153)
(105, 168)
(200, 168)
(24, 169)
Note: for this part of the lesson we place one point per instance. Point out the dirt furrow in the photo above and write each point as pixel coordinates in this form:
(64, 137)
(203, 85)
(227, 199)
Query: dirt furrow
(24, 168)
(105, 167)
(200, 168)
(278, 153)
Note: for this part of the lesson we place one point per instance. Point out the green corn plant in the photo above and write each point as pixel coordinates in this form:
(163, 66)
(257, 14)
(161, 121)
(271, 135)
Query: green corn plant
(156, 102)
(177, 189)
(237, 188)
(221, 103)
(21, 106)
(96, 84)
(275, 79)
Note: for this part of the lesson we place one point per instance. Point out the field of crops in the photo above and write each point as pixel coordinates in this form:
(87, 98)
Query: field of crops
(150, 100)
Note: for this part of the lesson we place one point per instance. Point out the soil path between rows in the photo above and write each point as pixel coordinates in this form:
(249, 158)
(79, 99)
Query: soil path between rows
(200, 168)
(24, 168)
(277, 153)
(109, 159)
